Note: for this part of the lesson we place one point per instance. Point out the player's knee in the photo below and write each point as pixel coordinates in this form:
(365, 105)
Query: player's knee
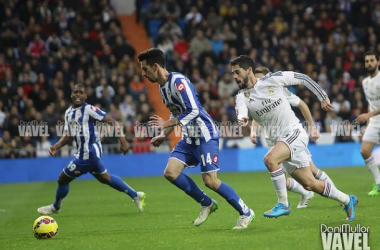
(211, 183)
(365, 153)
(269, 161)
(170, 175)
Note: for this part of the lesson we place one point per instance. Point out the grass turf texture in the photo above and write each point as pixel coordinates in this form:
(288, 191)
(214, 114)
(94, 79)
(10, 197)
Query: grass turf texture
(95, 216)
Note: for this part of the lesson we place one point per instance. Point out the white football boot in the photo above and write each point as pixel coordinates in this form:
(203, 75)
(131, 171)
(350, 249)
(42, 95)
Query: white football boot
(244, 221)
(305, 199)
(139, 200)
(49, 209)
(205, 212)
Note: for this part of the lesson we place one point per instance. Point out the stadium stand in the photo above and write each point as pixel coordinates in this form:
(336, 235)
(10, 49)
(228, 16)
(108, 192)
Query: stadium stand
(47, 46)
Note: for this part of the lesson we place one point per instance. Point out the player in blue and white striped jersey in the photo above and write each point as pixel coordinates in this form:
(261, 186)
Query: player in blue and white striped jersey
(200, 142)
(80, 121)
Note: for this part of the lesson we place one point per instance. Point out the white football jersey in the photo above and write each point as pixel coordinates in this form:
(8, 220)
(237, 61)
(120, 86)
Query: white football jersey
(268, 105)
(371, 86)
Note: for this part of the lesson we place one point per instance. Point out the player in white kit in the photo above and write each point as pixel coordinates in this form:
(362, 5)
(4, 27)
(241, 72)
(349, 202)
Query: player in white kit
(263, 100)
(371, 137)
(291, 184)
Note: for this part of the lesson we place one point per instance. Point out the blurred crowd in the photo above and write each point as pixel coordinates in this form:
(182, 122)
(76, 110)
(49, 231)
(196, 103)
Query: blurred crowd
(325, 39)
(46, 46)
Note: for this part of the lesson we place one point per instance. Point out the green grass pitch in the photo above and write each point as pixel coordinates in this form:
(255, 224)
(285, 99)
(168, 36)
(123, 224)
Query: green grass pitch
(95, 216)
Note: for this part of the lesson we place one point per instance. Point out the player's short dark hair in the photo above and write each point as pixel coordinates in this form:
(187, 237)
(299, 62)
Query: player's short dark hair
(78, 86)
(262, 70)
(153, 56)
(372, 53)
(243, 61)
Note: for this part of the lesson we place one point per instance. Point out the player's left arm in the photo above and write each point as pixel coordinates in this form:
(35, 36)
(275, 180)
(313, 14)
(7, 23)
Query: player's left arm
(295, 101)
(97, 114)
(365, 116)
(124, 145)
(184, 89)
(288, 78)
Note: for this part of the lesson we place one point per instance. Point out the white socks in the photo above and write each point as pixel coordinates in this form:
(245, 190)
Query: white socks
(295, 187)
(372, 166)
(279, 182)
(332, 192)
(322, 176)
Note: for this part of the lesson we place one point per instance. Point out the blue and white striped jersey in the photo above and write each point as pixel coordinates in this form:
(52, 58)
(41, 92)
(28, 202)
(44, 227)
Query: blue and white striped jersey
(80, 124)
(182, 100)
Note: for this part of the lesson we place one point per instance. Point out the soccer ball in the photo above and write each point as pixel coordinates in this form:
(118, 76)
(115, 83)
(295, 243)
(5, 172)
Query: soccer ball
(45, 227)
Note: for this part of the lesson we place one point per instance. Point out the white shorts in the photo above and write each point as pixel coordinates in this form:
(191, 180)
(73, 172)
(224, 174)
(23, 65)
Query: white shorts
(372, 134)
(297, 141)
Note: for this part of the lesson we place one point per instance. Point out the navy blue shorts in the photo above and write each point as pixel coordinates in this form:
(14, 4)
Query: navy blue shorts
(206, 154)
(78, 167)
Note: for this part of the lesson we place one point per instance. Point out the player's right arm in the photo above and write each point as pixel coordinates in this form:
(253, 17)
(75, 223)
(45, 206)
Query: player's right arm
(241, 110)
(65, 139)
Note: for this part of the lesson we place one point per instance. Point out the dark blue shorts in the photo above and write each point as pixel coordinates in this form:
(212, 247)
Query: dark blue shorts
(206, 154)
(78, 167)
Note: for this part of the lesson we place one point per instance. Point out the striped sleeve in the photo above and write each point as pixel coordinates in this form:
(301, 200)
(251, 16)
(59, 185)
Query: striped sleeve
(96, 113)
(293, 78)
(185, 90)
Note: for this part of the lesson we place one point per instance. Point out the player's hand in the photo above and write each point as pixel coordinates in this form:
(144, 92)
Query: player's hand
(314, 133)
(362, 118)
(244, 121)
(326, 105)
(158, 140)
(253, 137)
(156, 121)
(52, 151)
(124, 146)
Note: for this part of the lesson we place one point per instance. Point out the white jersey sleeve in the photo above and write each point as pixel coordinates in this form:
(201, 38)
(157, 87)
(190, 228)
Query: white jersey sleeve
(287, 78)
(240, 107)
(371, 86)
(293, 99)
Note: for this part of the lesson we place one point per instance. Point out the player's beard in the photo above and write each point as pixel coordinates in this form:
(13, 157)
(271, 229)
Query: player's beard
(371, 70)
(244, 83)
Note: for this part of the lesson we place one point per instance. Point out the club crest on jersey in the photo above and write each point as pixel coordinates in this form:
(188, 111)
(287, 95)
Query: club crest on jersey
(180, 86)
(246, 94)
(215, 159)
(271, 90)
(94, 108)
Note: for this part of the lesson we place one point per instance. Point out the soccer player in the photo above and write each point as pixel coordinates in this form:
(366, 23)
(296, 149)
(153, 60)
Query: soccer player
(200, 142)
(291, 184)
(371, 135)
(264, 101)
(80, 121)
